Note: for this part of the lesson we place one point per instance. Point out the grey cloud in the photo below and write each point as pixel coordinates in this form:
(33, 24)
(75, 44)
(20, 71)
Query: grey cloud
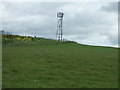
(110, 7)
(82, 22)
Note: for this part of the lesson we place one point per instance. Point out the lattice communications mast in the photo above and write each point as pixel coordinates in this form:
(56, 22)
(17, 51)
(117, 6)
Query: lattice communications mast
(59, 32)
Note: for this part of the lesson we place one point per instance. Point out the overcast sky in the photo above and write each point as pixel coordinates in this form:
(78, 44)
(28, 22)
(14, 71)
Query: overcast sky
(87, 23)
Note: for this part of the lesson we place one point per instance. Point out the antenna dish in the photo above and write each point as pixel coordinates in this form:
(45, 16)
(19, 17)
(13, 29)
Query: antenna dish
(60, 14)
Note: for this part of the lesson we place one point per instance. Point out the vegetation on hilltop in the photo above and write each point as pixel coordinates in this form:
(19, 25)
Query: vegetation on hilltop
(28, 40)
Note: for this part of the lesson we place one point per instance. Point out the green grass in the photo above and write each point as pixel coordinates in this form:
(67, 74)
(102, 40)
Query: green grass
(61, 65)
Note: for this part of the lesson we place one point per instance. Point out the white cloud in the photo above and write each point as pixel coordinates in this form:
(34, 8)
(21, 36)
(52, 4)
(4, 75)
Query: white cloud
(89, 23)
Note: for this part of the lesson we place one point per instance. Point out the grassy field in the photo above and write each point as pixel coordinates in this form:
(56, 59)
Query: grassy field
(59, 65)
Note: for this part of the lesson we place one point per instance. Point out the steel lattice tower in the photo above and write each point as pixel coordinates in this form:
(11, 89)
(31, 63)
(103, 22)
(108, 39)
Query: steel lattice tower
(59, 32)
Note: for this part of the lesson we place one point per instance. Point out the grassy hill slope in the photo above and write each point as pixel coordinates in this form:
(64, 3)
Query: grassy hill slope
(43, 63)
